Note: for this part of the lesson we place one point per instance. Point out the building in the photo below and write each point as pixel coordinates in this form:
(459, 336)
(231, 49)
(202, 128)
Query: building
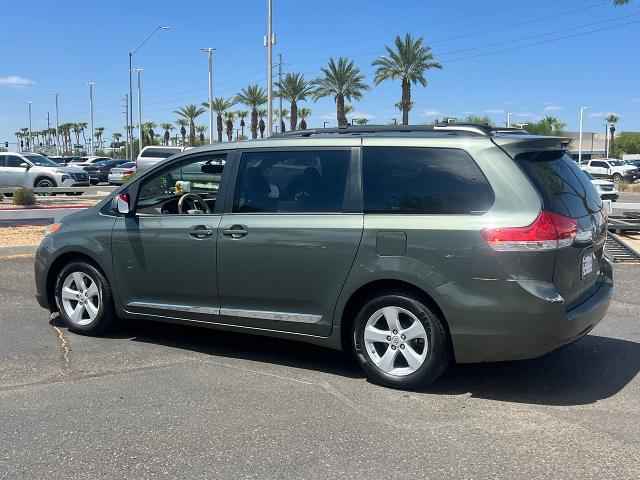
(593, 145)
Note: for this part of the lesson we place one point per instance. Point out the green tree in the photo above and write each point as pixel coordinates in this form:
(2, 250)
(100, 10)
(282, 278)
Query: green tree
(220, 105)
(201, 129)
(612, 120)
(479, 120)
(628, 143)
(190, 113)
(167, 127)
(408, 63)
(229, 117)
(547, 126)
(304, 113)
(242, 114)
(182, 123)
(261, 125)
(148, 132)
(253, 96)
(295, 89)
(340, 80)
(98, 134)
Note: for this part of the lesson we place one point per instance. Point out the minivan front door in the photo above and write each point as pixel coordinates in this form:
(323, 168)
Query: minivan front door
(164, 257)
(288, 244)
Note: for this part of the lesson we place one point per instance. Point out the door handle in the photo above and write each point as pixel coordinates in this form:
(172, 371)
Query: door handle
(201, 231)
(235, 231)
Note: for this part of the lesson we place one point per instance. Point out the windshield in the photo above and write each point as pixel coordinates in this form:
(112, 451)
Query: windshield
(40, 160)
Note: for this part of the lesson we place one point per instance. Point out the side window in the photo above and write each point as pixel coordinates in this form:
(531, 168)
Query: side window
(428, 181)
(13, 161)
(2, 160)
(291, 181)
(187, 188)
(599, 164)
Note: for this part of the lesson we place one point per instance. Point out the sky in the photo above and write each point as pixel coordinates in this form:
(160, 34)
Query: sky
(528, 58)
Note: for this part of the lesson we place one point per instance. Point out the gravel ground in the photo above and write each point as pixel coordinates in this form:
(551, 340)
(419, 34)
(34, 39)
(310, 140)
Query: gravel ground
(21, 236)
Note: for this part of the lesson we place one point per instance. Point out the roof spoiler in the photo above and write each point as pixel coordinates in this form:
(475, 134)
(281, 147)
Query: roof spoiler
(517, 144)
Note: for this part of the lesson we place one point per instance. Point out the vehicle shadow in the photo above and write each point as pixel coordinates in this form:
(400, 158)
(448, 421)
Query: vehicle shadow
(592, 369)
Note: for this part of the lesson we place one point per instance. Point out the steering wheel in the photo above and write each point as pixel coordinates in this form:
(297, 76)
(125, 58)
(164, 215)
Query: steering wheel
(194, 199)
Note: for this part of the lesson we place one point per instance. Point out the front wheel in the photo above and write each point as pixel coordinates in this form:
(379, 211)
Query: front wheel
(84, 299)
(617, 178)
(400, 342)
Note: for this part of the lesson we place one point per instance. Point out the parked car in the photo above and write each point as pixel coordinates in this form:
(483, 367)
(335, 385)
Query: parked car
(606, 189)
(122, 173)
(151, 155)
(90, 160)
(411, 247)
(99, 171)
(612, 169)
(35, 170)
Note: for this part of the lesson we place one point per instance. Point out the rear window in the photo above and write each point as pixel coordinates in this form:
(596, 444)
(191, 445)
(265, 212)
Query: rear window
(565, 189)
(428, 181)
(159, 152)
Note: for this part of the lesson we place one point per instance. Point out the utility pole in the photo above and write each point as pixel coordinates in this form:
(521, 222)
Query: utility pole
(126, 120)
(209, 51)
(140, 142)
(509, 119)
(48, 128)
(58, 151)
(91, 145)
(582, 109)
(30, 134)
(280, 83)
(269, 45)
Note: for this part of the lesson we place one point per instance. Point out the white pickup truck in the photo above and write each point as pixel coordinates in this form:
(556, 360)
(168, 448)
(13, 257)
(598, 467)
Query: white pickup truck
(612, 169)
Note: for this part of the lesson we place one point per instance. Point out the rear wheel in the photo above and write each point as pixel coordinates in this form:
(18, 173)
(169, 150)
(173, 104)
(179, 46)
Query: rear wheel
(83, 297)
(400, 342)
(44, 182)
(617, 178)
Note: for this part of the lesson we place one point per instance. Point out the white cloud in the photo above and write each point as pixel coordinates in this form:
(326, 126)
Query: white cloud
(432, 113)
(357, 114)
(602, 114)
(552, 108)
(15, 81)
(495, 111)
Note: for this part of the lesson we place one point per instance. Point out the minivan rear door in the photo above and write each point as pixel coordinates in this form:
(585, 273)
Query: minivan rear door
(566, 190)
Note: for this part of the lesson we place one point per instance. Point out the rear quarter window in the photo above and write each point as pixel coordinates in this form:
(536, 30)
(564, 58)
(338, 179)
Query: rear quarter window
(158, 152)
(429, 181)
(564, 188)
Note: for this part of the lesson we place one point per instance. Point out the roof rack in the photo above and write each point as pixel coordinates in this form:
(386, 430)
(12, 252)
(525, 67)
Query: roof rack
(471, 129)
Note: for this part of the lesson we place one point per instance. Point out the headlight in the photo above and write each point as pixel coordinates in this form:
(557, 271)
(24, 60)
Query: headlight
(53, 228)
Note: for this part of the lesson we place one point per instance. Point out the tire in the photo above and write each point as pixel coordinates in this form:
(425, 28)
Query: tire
(45, 182)
(374, 351)
(97, 315)
(617, 178)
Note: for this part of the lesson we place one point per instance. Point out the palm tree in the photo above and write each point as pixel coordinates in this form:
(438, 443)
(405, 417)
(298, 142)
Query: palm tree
(83, 126)
(340, 80)
(167, 127)
(261, 124)
(361, 121)
(229, 118)
(253, 96)
(182, 123)
(99, 132)
(220, 105)
(242, 114)
(295, 89)
(190, 113)
(304, 113)
(612, 119)
(147, 131)
(116, 139)
(201, 129)
(408, 63)
(75, 127)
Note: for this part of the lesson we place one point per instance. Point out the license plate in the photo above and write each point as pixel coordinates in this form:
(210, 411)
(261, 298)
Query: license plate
(587, 264)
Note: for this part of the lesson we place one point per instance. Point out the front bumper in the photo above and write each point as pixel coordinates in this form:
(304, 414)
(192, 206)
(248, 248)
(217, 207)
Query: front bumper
(541, 325)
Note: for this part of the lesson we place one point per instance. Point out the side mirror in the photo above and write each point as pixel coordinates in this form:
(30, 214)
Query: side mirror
(25, 165)
(121, 204)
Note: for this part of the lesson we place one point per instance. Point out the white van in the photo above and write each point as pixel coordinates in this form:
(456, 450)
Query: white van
(152, 154)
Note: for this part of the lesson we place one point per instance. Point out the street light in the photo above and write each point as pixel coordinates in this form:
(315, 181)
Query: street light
(582, 109)
(91, 149)
(209, 52)
(269, 45)
(139, 72)
(131, 52)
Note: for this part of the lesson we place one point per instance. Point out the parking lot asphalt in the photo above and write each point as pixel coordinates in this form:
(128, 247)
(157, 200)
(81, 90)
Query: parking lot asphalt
(163, 401)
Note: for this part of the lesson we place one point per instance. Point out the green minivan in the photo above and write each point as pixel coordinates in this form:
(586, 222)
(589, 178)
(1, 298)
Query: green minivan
(412, 247)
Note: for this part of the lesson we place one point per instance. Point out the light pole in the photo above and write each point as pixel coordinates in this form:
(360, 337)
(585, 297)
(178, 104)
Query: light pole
(509, 119)
(139, 71)
(209, 51)
(91, 145)
(30, 134)
(269, 46)
(582, 109)
(58, 152)
(131, 53)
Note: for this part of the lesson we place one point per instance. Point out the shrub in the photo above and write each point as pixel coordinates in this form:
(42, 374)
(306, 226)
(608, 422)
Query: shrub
(24, 196)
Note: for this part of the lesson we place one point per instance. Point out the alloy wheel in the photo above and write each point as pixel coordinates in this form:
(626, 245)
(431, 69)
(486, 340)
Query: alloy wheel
(80, 298)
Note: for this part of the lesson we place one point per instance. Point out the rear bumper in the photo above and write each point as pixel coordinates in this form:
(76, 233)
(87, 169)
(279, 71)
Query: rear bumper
(531, 335)
(609, 196)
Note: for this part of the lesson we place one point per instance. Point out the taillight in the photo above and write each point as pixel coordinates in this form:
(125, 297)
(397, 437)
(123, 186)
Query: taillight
(549, 231)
